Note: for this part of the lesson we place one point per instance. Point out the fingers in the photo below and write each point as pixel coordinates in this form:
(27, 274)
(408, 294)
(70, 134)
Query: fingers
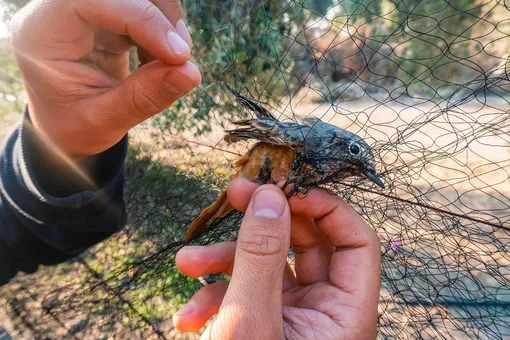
(254, 296)
(71, 36)
(312, 251)
(142, 21)
(355, 267)
(106, 113)
(196, 261)
(200, 308)
(338, 226)
(336, 219)
(204, 305)
(318, 204)
(146, 92)
(239, 192)
(172, 10)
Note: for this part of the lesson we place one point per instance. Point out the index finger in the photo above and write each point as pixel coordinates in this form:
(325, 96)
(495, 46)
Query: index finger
(339, 222)
(143, 21)
(355, 267)
(172, 10)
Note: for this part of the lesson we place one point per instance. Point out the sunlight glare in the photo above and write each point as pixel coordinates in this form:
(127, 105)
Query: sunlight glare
(4, 32)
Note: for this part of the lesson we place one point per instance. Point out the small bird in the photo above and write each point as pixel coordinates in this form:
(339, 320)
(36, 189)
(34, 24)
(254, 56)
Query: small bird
(303, 155)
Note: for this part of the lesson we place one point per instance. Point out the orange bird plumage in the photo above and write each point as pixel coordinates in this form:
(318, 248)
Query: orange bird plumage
(264, 163)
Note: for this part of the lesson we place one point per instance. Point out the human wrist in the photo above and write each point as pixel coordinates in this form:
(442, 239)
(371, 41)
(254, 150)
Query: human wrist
(59, 173)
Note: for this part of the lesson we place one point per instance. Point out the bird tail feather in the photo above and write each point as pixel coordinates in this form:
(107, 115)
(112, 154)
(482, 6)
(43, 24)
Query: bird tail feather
(251, 104)
(219, 208)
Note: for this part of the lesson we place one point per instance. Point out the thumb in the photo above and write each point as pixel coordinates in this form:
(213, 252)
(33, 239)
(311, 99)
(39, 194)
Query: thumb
(149, 90)
(254, 296)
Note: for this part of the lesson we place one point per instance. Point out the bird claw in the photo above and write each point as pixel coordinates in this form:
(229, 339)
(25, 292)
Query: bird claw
(285, 185)
(298, 187)
(302, 190)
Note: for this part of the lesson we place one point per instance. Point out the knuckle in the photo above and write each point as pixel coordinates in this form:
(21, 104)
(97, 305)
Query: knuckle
(373, 238)
(16, 26)
(368, 238)
(145, 101)
(262, 241)
(144, 15)
(142, 10)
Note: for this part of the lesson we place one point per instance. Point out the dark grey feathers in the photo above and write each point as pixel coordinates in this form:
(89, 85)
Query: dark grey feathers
(251, 104)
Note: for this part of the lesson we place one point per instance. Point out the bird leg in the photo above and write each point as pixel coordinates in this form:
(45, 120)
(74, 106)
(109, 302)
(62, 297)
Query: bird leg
(301, 181)
(298, 184)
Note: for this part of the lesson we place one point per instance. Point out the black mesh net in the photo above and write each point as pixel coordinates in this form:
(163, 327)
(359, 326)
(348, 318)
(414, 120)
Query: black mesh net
(425, 83)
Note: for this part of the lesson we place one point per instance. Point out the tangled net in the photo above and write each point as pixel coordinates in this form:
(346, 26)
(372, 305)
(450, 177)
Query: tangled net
(425, 83)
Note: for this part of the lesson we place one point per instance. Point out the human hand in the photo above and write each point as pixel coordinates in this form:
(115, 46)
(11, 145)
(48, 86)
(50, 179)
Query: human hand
(333, 295)
(74, 57)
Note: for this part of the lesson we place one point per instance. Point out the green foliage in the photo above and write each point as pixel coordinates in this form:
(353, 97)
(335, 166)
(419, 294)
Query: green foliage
(242, 43)
(431, 40)
(435, 34)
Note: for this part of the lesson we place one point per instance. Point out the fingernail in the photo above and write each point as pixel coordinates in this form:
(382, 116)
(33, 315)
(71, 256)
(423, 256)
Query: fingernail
(268, 204)
(194, 247)
(176, 43)
(171, 82)
(181, 28)
(187, 309)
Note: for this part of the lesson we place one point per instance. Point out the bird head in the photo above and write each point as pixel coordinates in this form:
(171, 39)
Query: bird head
(340, 154)
(359, 158)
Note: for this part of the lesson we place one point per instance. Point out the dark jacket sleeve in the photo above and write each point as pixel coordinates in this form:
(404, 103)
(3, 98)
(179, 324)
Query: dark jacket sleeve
(49, 214)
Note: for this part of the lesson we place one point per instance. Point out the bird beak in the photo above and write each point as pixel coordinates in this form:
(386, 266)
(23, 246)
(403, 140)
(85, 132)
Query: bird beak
(371, 175)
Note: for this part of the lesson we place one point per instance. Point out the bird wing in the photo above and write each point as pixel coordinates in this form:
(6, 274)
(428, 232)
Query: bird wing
(269, 131)
(266, 128)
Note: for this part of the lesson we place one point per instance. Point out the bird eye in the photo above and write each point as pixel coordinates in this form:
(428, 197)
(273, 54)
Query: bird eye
(354, 148)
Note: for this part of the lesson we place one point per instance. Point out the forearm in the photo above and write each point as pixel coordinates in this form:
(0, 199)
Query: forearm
(51, 210)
